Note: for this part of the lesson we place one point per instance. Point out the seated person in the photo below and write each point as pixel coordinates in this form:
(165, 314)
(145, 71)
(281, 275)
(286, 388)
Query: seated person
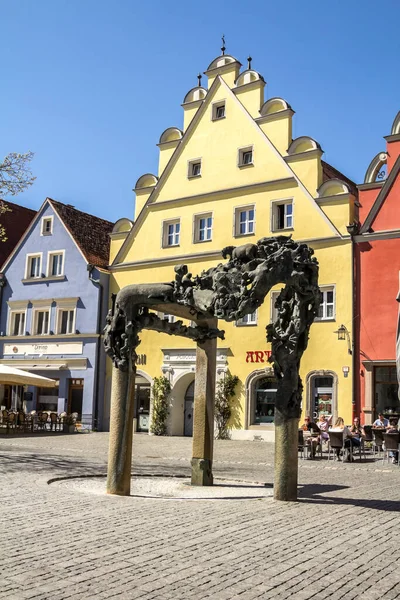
(341, 427)
(323, 426)
(313, 442)
(392, 428)
(357, 432)
(380, 422)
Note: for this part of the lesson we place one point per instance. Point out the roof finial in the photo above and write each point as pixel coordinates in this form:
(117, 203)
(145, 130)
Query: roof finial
(249, 59)
(223, 45)
(199, 78)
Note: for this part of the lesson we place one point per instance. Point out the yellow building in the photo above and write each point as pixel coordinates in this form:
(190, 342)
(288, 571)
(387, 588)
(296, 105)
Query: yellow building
(232, 175)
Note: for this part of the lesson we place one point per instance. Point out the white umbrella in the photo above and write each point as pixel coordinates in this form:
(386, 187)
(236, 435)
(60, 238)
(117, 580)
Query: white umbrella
(19, 377)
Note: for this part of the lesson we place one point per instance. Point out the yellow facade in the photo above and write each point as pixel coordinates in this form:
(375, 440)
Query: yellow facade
(281, 179)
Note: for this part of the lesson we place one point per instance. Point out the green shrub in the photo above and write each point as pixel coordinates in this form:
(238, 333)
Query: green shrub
(223, 409)
(160, 391)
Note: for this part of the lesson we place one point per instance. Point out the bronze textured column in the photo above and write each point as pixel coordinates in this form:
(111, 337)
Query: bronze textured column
(286, 458)
(121, 431)
(203, 423)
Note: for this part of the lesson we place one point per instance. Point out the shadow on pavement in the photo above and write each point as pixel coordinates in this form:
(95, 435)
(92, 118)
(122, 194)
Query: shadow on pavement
(312, 494)
(16, 463)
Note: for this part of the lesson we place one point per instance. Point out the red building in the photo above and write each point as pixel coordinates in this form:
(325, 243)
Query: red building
(377, 268)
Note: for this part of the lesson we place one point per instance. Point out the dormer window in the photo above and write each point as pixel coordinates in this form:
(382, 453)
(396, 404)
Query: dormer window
(47, 226)
(194, 169)
(33, 266)
(245, 157)
(218, 111)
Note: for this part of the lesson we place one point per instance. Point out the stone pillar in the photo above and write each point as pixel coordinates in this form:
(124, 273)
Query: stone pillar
(121, 431)
(286, 458)
(203, 421)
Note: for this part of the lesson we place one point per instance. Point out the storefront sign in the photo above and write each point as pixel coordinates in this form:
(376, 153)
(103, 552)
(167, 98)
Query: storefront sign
(258, 356)
(45, 348)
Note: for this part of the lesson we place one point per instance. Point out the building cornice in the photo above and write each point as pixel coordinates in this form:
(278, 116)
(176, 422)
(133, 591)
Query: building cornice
(388, 234)
(315, 153)
(276, 116)
(55, 338)
(345, 197)
(245, 87)
(242, 189)
(395, 137)
(179, 258)
(375, 185)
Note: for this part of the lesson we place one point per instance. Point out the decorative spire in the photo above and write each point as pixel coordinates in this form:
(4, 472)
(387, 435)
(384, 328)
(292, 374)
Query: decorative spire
(199, 79)
(249, 59)
(223, 45)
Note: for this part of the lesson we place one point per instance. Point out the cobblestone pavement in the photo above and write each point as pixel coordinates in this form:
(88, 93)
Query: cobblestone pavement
(341, 540)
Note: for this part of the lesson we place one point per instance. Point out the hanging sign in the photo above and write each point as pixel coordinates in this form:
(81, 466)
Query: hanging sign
(258, 356)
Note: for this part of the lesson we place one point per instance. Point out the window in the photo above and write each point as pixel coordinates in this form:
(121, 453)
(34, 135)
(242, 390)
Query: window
(66, 321)
(250, 319)
(41, 322)
(264, 393)
(282, 215)
(33, 266)
(218, 111)
(244, 220)
(168, 317)
(171, 233)
(47, 226)
(17, 326)
(327, 306)
(55, 264)
(194, 169)
(245, 157)
(386, 388)
(203, 228)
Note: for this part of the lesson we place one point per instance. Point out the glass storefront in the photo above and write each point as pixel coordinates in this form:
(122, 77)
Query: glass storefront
(323, 394)
(264, 402)
(386, 391)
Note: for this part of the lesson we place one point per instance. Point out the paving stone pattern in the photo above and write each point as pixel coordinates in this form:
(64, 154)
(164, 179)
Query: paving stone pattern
(340, 541)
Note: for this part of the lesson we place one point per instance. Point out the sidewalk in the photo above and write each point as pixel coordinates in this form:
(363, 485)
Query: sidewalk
(339, 541)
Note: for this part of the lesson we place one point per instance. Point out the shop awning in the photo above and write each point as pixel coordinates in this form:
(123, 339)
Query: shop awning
(13, 376)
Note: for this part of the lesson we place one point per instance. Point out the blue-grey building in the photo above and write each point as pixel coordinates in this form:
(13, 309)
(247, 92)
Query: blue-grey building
(54, 299)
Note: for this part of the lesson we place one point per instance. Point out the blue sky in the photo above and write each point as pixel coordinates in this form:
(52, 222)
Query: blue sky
(90, 85)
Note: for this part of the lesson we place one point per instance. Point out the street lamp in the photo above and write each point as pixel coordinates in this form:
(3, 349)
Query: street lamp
(343, 334)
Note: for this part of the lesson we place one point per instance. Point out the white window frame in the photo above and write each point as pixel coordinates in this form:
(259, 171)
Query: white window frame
(42, 225)
(248, 320)
(274, 214)
(35, 318)
(324, 289)
(241, 154)
(196, 227)
(28, 260)
(273, 310)
(165, 234)
(236, 225)
(167, 317)
(11, 321)
(191, 165)
(215, 108)
(50, 256)
(60, 310)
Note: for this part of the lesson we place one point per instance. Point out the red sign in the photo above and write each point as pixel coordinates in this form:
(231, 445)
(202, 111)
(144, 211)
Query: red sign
(258, 356)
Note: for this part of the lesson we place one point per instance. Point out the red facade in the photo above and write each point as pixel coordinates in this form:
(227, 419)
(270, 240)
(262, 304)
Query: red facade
(377, 269)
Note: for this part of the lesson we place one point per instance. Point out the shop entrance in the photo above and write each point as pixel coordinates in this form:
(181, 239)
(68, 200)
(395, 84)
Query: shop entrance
(142, 396)
(264, 405)
(386, 392)
(75, 397)
(188, 412)
(323, 397)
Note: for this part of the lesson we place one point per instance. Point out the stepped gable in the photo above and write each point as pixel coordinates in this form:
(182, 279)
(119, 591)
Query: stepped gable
(15, 222)
(91, 233)
(329, 172)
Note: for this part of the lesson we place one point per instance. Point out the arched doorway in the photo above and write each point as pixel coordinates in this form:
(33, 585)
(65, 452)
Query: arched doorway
(188, 411)
(261, 388)
(322, 394)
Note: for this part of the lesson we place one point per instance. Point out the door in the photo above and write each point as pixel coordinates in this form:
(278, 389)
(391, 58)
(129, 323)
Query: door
(143, 406)
(75, 397)
(188, 412)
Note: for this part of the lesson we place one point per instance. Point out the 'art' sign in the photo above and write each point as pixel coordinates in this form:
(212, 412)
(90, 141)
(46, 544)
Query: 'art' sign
(258, 356)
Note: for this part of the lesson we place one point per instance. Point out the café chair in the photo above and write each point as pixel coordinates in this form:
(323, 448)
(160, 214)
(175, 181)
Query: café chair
(336, 440)
(392, 444)
(378, 440)
(301, 446)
